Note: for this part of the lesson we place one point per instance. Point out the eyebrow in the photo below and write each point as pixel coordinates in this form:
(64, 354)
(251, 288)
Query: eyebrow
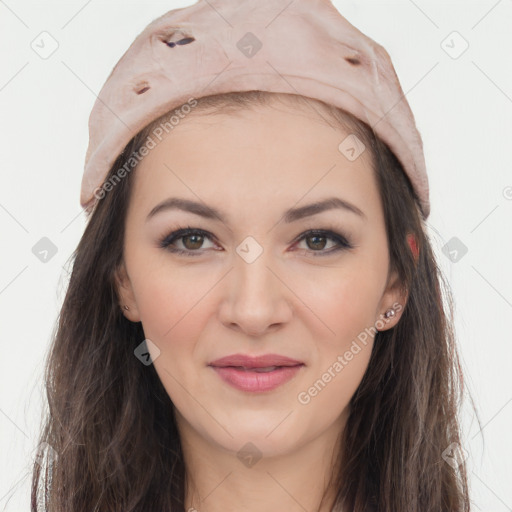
(290, 215)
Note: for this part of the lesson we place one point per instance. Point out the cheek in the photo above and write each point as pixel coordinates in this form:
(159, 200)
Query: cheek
(328, 392)
(174, 308)
(346, 302)
(170, 298)
(165, 307)
(344, 299)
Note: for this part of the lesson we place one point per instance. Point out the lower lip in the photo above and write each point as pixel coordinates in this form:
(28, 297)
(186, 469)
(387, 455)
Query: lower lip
(247, 380)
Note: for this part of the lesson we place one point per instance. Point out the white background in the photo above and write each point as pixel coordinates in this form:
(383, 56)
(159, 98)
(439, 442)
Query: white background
(463, 109)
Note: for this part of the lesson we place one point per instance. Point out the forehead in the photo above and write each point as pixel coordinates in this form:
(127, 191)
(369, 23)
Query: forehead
(270, 153)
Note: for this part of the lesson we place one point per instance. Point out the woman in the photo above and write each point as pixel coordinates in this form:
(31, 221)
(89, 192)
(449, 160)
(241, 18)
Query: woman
(255, 318)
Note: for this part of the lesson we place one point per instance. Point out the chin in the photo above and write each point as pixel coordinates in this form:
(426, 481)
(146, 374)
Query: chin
(271, 437)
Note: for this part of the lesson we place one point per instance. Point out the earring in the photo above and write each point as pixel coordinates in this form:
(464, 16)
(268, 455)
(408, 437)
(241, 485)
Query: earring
(389, 313)
(126, 307)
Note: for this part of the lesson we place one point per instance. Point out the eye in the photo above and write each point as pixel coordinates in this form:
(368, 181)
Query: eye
(189, 238)
(317, 240)
(188, 241)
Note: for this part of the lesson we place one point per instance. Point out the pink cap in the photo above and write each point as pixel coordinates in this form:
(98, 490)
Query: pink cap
(300, 47)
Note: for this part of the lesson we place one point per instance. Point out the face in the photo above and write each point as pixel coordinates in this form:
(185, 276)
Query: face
(260, 272)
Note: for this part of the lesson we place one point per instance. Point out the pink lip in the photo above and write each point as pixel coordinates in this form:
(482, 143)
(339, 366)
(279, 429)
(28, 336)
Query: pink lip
(239, 371)
(255, 361)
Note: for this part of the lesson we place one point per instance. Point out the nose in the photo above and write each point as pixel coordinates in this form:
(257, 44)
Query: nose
(256, 298)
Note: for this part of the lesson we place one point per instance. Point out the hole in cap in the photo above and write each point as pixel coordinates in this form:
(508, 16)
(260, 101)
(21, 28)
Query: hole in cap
(142, 88)
(185, 40)
(353, 60)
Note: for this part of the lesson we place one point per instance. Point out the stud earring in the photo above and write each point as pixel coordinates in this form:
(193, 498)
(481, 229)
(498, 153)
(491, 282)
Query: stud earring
(390, 313)
(126, 307)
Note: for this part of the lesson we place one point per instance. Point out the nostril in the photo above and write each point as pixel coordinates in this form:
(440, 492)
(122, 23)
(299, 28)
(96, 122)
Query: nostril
(353, 60)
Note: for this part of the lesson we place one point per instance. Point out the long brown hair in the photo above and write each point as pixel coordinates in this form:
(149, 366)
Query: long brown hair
(111, 424)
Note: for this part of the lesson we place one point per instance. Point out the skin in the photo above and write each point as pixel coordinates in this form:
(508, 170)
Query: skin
(291, 300)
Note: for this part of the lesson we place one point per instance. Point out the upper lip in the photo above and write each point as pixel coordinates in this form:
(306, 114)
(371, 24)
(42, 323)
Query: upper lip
(262, 361)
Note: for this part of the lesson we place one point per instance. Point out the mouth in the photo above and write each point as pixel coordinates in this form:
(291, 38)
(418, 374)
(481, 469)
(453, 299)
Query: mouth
(264, 369)
(265, 362)
(256, 374)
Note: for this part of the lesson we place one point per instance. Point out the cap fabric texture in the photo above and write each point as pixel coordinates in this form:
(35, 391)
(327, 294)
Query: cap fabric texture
(303, 47)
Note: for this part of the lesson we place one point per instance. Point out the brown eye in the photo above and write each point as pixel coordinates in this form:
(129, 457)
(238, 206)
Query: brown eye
(195, 241)
(187, 241)
(319, 242)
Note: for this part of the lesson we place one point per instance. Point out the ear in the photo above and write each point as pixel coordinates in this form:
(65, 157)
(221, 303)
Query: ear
(125, 293)
(394, 298)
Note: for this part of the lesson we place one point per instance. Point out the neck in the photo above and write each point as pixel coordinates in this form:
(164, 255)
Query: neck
(218, 479)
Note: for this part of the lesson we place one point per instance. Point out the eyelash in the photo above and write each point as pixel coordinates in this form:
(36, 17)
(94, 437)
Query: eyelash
(342, 241)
